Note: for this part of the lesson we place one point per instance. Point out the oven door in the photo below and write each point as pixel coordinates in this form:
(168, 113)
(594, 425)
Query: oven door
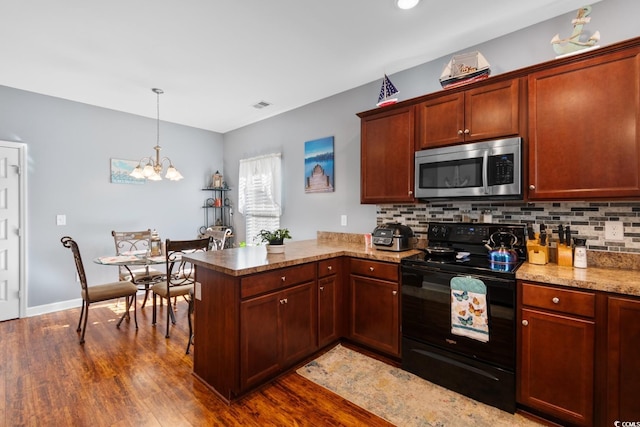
(426, 315)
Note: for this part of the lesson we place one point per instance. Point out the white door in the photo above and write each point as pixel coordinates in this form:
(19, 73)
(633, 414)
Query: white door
(9, 232)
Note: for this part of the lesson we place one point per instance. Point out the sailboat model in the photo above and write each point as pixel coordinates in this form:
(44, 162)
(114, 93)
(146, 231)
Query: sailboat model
(464, 69)
(387, 93)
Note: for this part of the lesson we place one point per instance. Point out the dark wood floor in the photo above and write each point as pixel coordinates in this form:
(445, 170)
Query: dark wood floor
(121, 377)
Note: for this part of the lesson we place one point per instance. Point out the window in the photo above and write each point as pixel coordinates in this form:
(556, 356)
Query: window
(259, 198)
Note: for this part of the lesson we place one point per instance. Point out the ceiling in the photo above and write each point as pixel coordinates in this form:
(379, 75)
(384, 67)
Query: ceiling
(215, 59)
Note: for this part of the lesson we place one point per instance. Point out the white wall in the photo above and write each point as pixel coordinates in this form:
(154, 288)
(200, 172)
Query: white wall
(304, 214)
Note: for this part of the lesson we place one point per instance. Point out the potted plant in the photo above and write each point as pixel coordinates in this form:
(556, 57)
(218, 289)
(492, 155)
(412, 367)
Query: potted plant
(275, 239)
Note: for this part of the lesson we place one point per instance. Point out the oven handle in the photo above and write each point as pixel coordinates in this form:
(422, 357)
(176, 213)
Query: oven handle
(427, 269)
(481, 277)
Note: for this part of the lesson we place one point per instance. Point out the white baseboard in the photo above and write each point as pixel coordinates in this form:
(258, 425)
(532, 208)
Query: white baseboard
(56, 306)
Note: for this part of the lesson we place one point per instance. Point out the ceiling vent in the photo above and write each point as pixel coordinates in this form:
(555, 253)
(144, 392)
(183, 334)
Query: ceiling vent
(261, 104)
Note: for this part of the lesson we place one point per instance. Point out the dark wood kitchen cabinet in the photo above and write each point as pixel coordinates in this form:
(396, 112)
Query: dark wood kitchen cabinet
(584, 128)
(556, 358)
(487, 111)
(374, 305)
(623, 361)
(279, 327)
(387, 155)
(330, 297)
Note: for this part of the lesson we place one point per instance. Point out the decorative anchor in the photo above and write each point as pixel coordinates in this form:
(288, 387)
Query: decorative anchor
(573, 43)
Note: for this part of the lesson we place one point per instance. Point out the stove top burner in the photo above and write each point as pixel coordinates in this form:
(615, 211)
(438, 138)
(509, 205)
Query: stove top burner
(448, 242)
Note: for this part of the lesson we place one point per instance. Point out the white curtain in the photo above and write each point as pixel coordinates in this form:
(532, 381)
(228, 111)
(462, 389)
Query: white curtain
(259, 194)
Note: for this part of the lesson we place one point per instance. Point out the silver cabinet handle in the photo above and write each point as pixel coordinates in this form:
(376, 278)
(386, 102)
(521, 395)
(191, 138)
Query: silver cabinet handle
(467, 132)
(394, 292)
(329, 268)
(283, 278)
(410, 193)
(370, 268)
(283, 301)
(321, 288)
(555, 300)
(532, 187)
(525, 323)
(460, 132)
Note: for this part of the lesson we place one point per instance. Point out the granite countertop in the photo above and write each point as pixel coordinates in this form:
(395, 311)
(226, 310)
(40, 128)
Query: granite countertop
(614, 280)
(254, 259)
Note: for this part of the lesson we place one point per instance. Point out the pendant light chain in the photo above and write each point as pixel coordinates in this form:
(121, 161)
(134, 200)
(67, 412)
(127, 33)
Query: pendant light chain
(152, 170)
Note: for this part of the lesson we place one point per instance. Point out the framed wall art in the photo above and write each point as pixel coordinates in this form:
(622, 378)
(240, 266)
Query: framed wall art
(318, 166)
(120, 170)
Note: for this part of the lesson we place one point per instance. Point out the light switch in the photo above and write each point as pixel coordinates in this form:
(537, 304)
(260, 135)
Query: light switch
(343, 220)
(61, 220)
(198, 291)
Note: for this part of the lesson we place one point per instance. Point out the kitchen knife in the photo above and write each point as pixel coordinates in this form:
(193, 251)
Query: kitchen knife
(567, 231)
(560, 235)
(530, 234)
(543, 236)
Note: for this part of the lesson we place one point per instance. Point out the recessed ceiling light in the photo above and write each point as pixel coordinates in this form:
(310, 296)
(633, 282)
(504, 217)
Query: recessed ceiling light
(407, 4)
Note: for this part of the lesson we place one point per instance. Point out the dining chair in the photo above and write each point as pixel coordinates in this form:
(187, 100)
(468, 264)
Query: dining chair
(218, 237)
(97, 293)
(133, 243)
(180, 276)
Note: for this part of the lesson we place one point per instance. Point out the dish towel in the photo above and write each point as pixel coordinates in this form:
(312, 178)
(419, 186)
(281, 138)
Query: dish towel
(469, 308)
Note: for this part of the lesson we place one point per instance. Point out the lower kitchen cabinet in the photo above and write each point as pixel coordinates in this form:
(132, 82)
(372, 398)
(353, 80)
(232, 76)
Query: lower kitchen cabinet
(556, 358)
(277, 330)
(330, 306)
(374, 305)
(623, 360)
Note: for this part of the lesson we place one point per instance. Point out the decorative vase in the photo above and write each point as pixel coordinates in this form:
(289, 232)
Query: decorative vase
(275, 249)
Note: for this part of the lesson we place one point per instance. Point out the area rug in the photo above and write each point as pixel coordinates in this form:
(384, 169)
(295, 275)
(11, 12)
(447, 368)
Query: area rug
(398, 396)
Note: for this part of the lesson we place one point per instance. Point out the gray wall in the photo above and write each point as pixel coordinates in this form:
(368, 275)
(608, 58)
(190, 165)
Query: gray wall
(69, 147)
(70, 144)
(304, 214)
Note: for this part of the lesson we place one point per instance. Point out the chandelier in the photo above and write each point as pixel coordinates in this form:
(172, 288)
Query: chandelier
(152, 170)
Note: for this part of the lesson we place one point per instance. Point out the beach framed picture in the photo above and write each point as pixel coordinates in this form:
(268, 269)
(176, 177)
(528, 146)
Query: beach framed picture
(318, 166)
(120, 170)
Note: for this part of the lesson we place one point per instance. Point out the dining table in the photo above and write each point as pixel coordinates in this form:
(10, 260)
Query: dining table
(133, 260)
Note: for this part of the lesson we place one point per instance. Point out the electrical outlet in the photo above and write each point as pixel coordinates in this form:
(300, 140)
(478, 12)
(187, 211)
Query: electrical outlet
(343, 220)
(614, 230)
(61, 220)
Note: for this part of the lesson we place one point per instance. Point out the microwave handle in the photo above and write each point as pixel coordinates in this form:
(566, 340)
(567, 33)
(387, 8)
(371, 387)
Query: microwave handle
(485, 172)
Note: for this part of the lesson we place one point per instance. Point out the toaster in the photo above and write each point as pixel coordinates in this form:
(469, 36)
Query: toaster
(392, 236)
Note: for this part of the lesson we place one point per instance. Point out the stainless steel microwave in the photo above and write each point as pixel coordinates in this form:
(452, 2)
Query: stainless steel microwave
(488, 169)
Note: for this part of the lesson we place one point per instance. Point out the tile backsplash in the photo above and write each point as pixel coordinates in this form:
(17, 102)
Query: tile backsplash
(587, 219)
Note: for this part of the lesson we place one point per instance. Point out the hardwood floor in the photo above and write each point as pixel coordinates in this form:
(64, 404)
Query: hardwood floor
(121, 377)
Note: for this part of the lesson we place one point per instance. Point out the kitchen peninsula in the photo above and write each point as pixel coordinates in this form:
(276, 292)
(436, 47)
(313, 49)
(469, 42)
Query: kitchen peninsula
(257, 315)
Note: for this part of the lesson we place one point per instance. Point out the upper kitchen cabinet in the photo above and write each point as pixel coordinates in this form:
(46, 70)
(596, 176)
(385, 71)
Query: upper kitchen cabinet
(584, 128)
(484, 112)
(387, 155)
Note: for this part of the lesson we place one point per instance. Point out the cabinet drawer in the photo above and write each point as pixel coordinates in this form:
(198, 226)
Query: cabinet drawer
(380, 270)
(563, 300)
(328, 267)
(274, 280)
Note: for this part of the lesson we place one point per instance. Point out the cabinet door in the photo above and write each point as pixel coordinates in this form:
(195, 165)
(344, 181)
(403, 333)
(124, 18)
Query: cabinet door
(623, 361)
(259, 339)
(387, 156)
(374, 313)
(584, 129)
(557, 365)
(298, 321)
(492, 111)
(328, 310)
(440, 121)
